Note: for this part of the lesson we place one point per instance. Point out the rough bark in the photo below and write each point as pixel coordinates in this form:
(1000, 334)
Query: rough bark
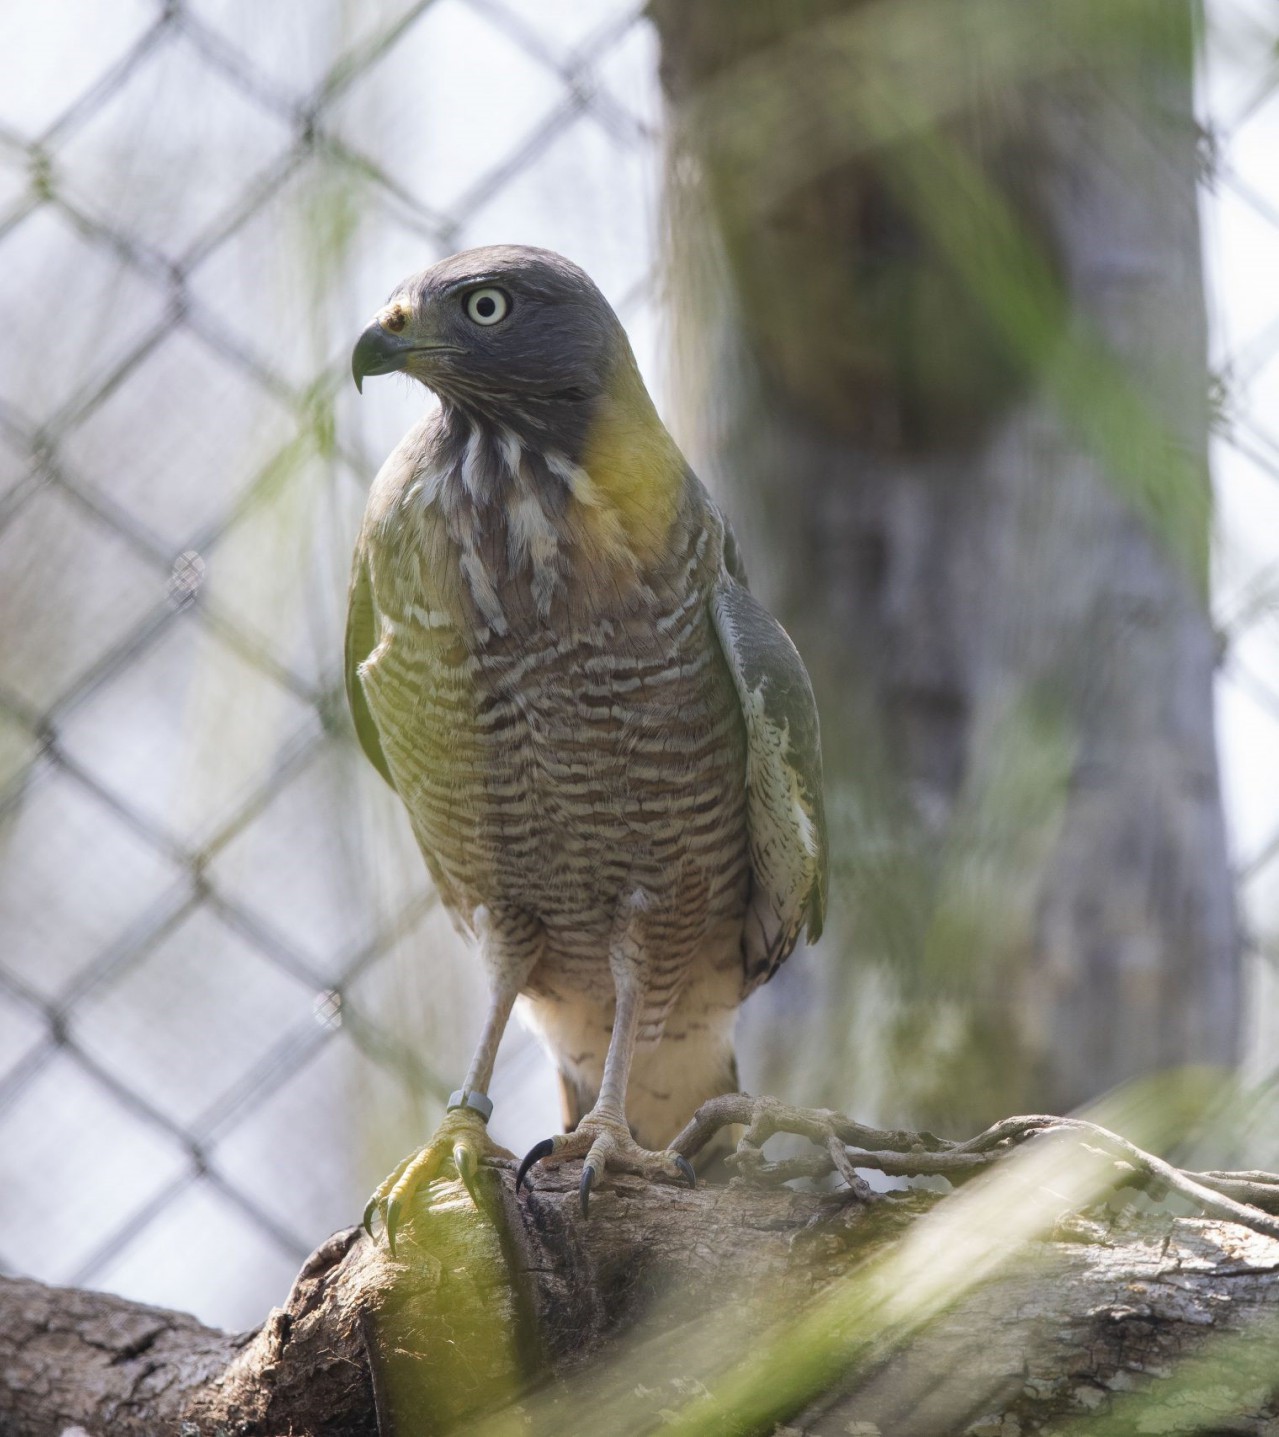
(641, 1317)
(920, 221)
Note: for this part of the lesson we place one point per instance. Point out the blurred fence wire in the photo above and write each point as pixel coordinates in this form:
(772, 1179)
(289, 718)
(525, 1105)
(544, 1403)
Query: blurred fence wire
(1239, 96)
(200, 202)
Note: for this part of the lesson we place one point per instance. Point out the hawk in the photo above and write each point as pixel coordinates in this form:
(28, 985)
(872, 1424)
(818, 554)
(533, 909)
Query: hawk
(606, 746)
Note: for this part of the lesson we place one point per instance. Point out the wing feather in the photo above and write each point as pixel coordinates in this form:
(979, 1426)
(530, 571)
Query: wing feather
(785, 814)
(361, 638)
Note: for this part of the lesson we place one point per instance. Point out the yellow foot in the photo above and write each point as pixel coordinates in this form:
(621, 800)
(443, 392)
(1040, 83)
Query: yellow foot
(605, 1141)
(462, 1138)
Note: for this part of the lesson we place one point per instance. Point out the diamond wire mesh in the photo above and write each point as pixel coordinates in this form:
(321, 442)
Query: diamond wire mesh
(190, 1007)
(1240, 99)
(190, 197)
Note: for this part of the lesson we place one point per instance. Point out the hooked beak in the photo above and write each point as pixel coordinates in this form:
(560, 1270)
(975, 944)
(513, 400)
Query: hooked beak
(378, 351)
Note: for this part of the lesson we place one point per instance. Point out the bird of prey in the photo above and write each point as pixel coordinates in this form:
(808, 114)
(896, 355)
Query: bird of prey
(607, 747)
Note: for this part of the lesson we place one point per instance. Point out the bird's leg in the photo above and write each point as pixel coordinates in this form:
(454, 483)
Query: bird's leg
(463, 1135)
(603, 1136)
(611, 1102)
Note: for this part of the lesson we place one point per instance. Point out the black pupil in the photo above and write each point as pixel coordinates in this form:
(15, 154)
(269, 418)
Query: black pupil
(486, 306)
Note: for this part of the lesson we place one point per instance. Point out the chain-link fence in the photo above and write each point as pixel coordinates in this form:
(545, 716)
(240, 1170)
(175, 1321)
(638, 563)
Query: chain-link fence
(226, 1004)
(1240, 206)
(202, 202)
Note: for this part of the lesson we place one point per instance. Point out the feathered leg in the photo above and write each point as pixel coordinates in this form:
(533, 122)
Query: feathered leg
(603, 1137)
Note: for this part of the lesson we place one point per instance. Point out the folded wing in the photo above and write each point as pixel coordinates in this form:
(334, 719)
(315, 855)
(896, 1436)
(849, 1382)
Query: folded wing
(785, 816)
(361, 638)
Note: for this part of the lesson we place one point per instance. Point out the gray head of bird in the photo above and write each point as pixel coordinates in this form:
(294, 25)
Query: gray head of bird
(515, 335)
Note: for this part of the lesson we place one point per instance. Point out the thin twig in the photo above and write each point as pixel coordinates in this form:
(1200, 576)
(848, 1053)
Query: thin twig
(1248, 1198)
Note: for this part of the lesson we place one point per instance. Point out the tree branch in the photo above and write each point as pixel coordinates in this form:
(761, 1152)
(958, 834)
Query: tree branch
(732, 1307)
(1250, 1198)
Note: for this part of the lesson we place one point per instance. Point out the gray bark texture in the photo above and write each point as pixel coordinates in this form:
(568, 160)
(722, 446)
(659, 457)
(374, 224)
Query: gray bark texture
(732, 1308)
(944, 334)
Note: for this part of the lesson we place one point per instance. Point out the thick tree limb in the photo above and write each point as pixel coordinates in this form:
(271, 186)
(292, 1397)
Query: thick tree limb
(731, 1308)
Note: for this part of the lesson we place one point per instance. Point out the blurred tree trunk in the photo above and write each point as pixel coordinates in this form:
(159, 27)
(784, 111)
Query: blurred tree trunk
(944, 345)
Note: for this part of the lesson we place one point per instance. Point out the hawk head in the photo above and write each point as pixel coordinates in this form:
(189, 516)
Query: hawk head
(523, 349)
(508, 331)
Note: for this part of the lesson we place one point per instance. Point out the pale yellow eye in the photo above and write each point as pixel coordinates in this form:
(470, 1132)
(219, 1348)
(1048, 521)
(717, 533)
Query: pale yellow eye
(487, 306)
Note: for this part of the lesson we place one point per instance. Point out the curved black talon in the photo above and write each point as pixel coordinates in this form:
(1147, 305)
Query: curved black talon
(464, 1162)
(468, 1170)
(589, 1176)
(391, 1222)
(534, 1155)
(367, 1220)
(685, 1167)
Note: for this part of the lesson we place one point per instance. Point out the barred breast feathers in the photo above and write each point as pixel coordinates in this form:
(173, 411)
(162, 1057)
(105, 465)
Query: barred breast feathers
(467, 518)
(484, 565)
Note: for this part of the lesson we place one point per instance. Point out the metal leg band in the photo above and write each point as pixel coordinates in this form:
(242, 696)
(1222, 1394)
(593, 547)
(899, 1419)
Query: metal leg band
(478, 1102)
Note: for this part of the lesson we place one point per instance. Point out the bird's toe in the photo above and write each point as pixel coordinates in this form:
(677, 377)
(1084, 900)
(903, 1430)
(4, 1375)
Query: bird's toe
(605, 1144)
(463, 1139)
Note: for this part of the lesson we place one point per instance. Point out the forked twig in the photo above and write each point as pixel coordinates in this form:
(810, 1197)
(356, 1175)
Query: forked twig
(1248, 1198)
